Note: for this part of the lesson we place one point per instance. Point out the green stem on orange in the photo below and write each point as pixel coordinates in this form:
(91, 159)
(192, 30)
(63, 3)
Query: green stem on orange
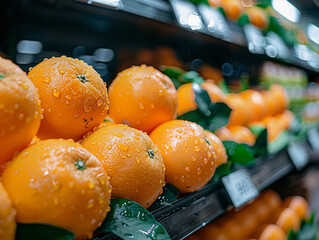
(2, 75)
(150, 153)
(80, 164)
(82, 78)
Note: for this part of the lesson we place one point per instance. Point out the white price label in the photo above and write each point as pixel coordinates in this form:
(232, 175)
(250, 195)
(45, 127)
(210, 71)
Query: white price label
(313, 137)
(298, 155)
(240, 187)
(187, 15)
(215, 21)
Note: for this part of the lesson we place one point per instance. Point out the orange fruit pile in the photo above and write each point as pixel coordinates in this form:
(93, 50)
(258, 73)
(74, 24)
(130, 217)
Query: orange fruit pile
(267, 218)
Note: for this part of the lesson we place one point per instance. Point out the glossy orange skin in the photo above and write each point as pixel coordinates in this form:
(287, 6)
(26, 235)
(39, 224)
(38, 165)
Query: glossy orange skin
(188, 156)
(123, 152)
(20, 110)
(257, 17)
(239, 113)
(272, 232)
(238, 134)
(299, 205)
(186, 96)
(272, 200)
(46, 187)
(3, 167)
(255, 103)
(232, 8)
(270, 103)
(219, 149)
(288, 219)
(7, 216)
(142, 97)
(71, 107)
(280, 97)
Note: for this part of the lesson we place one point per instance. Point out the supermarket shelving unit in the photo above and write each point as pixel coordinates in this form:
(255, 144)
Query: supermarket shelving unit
(80, 21)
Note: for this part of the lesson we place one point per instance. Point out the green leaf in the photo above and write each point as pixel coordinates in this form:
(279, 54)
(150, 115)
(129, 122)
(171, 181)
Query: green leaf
(220, 116)
(292, 235)
(239, 153)
(223, 86)
(190, 76)
(280, 142)
(172, 72)
(244, 82)
(221, 171)
(38, 231)
(203, 100)
(222, 11)
(129, 220)
(260, 147)
(243, 20)
(193, 116)
(165, 199)
(307, 232)
(256, 129)
(176, 83)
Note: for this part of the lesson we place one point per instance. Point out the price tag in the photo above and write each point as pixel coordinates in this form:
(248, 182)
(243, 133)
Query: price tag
(187, 15)
(298, 155)
(313, 137)
(117, 4)
(256, 40)
(240, 187)
(215, 22)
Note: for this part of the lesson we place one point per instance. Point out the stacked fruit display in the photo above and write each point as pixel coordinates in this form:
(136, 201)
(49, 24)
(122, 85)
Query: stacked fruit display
(267, 218)
(49, 178)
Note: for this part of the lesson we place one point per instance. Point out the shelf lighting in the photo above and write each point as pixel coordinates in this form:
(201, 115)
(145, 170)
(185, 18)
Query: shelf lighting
(313, 33)
(286, 9)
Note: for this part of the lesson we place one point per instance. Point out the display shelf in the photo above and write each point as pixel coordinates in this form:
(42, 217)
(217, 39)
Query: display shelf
(164, 12)
(193, 211)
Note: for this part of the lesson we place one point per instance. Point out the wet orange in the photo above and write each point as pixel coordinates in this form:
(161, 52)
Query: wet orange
(238, 134)
(7, 216)
(133, 162)
(232, 8)
(239, 113)
(299, 205)
(3, 167)
(20, 110)
(271, 232)
(73, 96)
(279, 95)
(287, 219)
(219, 149)
(186, 96)
(108, 121)
(60, 183)
(142, 97)
(255, 103)
(187, 153)
(257, 17)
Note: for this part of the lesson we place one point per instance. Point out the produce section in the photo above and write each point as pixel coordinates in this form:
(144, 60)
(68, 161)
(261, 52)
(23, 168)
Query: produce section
(170, 128)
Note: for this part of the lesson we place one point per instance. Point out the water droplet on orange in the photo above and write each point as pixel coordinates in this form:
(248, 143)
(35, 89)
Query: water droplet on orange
(99, 102)
(56, 93)
(87, 109)
(55, 201)
(91, 185)
(197, 149)
(160, 92)
(152, 106)
(122, 146)
(71, 185)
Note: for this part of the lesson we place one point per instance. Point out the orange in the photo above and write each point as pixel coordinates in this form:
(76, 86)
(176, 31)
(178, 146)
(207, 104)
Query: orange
(271, 199)
(186, 96)
(194, 236)
(187, 154)
(270, 103)
(287, 219)
(214, 3)
(255, 103)
(257, 17)
(285, 119)
(219, 149)
(274, 127)
(208, 72)
(239, 113)
(73, 96)
(34, 140)
(133, 162)
(108, 121)
(232, 8)
(299, 204)
(142, 97)
(232, 229)
(261, 210)
(246, 220)
(211, 231)
(279, 95)
(20, 110)
(3, 167)
(60, 183)
(239, 134)
(271, 232)
(7, 216)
